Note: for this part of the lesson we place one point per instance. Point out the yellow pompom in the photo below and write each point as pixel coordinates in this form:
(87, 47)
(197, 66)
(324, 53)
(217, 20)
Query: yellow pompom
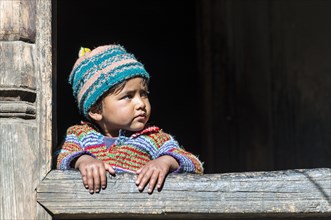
(83, 51)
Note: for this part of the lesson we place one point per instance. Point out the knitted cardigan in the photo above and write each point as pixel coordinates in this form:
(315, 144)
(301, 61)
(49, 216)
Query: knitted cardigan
(127, 154)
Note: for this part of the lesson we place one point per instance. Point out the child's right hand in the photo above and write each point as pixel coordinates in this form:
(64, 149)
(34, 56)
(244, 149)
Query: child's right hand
(93, 172)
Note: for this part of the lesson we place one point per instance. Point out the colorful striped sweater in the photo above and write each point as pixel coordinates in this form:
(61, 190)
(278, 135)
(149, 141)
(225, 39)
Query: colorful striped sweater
(127, 154)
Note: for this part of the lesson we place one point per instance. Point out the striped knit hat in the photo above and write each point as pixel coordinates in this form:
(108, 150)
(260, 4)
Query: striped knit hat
(96, 71)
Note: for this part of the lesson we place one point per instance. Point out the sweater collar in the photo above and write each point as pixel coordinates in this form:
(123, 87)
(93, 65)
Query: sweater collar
(124, 134)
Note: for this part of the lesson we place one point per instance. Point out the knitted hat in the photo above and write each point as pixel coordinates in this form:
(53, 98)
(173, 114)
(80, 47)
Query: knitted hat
(96, 71)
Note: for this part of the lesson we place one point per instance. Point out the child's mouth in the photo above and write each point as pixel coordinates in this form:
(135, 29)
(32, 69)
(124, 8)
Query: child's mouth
(141, 116)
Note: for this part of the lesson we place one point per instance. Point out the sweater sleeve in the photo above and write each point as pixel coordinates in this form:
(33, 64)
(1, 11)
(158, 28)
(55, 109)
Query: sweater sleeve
(71, 149)
(165, 144)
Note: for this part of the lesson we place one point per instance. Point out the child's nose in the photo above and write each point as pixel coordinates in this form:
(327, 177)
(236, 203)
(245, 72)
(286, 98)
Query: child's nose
(140, 103)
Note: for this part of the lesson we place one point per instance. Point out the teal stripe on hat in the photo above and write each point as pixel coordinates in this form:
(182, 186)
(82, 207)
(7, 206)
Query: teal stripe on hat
(112, 78)
(88, 67)
(102, 85)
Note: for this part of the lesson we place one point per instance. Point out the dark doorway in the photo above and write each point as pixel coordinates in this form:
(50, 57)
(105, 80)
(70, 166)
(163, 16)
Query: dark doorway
(161, 34)
(266, 67)
(244, 84)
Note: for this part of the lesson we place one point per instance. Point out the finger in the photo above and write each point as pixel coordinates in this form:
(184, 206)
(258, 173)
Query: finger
(141, 174)
(160, 180)
(103, 177)
(84, 177)
(145, 179)
(109, 168)
(96, 179)
(89, 177)
(152, 181)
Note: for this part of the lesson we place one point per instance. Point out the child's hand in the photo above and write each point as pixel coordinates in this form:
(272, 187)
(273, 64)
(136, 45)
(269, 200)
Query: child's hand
(93, 172)
(155, 171)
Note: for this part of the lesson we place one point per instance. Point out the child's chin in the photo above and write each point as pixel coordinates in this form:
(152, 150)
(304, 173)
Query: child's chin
(138, 127)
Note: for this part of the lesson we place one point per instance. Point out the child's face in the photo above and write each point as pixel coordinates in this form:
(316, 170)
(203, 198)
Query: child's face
(128, 109)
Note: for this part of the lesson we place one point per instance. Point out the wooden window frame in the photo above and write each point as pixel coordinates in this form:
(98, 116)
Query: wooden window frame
(288, 193)
(61, 194)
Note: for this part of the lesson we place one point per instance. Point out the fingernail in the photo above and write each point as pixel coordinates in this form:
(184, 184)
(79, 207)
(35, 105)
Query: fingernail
(140, 187)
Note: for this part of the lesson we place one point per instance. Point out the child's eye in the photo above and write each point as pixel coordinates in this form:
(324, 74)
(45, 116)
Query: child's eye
(144, 93)
(127, 97)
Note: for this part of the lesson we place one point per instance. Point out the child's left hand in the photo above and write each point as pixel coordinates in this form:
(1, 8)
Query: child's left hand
(155, 172)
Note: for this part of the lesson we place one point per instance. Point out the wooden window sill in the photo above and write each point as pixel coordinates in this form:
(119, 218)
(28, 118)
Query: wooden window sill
(288, 193)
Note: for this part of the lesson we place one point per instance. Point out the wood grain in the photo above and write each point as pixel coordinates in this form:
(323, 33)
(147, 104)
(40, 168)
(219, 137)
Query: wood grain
(45, 100)
(17, 65)
(18, 20)
(25, 105)
(17, 109)
(253, 194)
(18, 165)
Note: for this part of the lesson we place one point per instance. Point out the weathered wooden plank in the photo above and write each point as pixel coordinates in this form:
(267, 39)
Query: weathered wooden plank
(17, 103)
(17, 81)
(282, 193)
(18, 166)
(17, 65)
(17, 109)
(18, 20)
(25, 92)
(45, 106)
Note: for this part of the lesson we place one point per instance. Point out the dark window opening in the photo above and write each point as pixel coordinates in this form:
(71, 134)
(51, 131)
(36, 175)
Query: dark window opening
(243, 84)
(161, 34)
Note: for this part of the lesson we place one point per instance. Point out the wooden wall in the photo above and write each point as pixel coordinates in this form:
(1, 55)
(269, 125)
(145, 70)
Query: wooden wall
(25, 105)
(266, 73)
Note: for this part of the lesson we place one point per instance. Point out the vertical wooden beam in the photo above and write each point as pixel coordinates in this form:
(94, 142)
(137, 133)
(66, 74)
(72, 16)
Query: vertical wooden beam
(18, 160)
(18, 127)
(25, 105)
(44, 100)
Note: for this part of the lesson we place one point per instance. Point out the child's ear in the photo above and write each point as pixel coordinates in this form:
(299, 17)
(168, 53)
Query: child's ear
(95, 116)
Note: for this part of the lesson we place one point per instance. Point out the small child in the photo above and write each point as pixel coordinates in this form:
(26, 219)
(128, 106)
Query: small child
(111, 89)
